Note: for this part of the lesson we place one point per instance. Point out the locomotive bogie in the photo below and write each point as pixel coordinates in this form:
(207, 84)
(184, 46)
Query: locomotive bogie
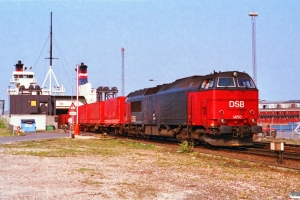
(153, 130)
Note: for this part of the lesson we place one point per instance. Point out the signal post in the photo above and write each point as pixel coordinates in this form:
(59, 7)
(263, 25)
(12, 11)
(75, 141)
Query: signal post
(72, 113)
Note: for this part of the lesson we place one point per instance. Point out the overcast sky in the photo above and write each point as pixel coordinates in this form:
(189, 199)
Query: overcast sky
(163, 40)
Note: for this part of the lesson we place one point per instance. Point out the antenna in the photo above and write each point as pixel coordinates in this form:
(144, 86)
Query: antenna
(123, 81)
(253, 15)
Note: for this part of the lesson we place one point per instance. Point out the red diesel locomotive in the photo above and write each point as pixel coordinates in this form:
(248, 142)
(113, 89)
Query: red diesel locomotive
(220, 109)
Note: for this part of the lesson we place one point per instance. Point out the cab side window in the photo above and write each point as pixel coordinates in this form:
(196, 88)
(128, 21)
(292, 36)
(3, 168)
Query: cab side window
(207, 83)
(211, 83)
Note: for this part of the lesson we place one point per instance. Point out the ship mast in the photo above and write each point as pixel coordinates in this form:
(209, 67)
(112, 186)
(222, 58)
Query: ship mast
(56, 89)
(51, 42)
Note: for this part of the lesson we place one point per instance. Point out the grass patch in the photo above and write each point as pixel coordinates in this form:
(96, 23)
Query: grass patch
(4, 131)
(63, 147)
(83, 170)
(3, 123)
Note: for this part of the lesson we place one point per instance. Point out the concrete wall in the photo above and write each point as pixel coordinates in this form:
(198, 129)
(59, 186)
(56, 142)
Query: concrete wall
(40, 120)
(52, 120)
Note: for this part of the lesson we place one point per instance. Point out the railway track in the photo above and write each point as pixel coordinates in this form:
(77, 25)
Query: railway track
(289, 158)
(259, 153)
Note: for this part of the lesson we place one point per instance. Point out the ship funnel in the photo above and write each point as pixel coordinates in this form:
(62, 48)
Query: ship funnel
(19, 66)
(82, 74)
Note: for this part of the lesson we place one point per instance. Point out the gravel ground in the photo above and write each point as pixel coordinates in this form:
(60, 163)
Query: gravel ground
(140, 174)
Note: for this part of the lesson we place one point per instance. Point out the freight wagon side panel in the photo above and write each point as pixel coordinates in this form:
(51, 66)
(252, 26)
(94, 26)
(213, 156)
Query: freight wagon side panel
(95, 112)
(102, 108)
(82, 114)
(114, 110)
(88, 113)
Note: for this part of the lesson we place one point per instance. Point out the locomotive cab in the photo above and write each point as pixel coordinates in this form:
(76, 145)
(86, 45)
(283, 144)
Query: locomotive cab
(224, 110)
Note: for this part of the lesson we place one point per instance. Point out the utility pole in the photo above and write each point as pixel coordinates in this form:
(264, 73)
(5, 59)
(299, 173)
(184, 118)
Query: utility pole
(123, 79)
(253, 15)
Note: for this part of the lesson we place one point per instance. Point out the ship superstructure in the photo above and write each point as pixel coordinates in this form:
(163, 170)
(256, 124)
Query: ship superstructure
(84, 87)
(92, 95)
(24, 80)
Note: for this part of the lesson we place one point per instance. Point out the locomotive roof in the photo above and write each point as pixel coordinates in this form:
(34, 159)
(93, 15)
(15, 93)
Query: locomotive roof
(191, 83)
(180, 84)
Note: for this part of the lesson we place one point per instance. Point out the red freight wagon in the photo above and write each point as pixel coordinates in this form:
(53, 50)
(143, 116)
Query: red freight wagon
(96, 112)
(114, 110)
(100, 116)
(62, 119)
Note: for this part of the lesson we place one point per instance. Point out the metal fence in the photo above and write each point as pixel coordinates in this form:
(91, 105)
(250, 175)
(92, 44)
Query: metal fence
(288, 131)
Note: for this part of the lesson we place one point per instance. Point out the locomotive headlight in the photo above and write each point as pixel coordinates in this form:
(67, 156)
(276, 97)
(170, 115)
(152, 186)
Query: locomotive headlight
(252, 112)
(221, 112)
(235, 74)
(253, 121)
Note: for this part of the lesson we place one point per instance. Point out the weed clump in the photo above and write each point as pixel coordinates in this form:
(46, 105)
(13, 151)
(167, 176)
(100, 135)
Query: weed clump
(3, 123)
(186, 147)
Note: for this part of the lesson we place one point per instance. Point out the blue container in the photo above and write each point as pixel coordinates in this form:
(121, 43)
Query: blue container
(28, 125)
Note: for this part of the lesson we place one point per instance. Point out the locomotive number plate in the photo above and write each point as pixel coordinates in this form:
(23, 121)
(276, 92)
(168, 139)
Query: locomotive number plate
(237, 117)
